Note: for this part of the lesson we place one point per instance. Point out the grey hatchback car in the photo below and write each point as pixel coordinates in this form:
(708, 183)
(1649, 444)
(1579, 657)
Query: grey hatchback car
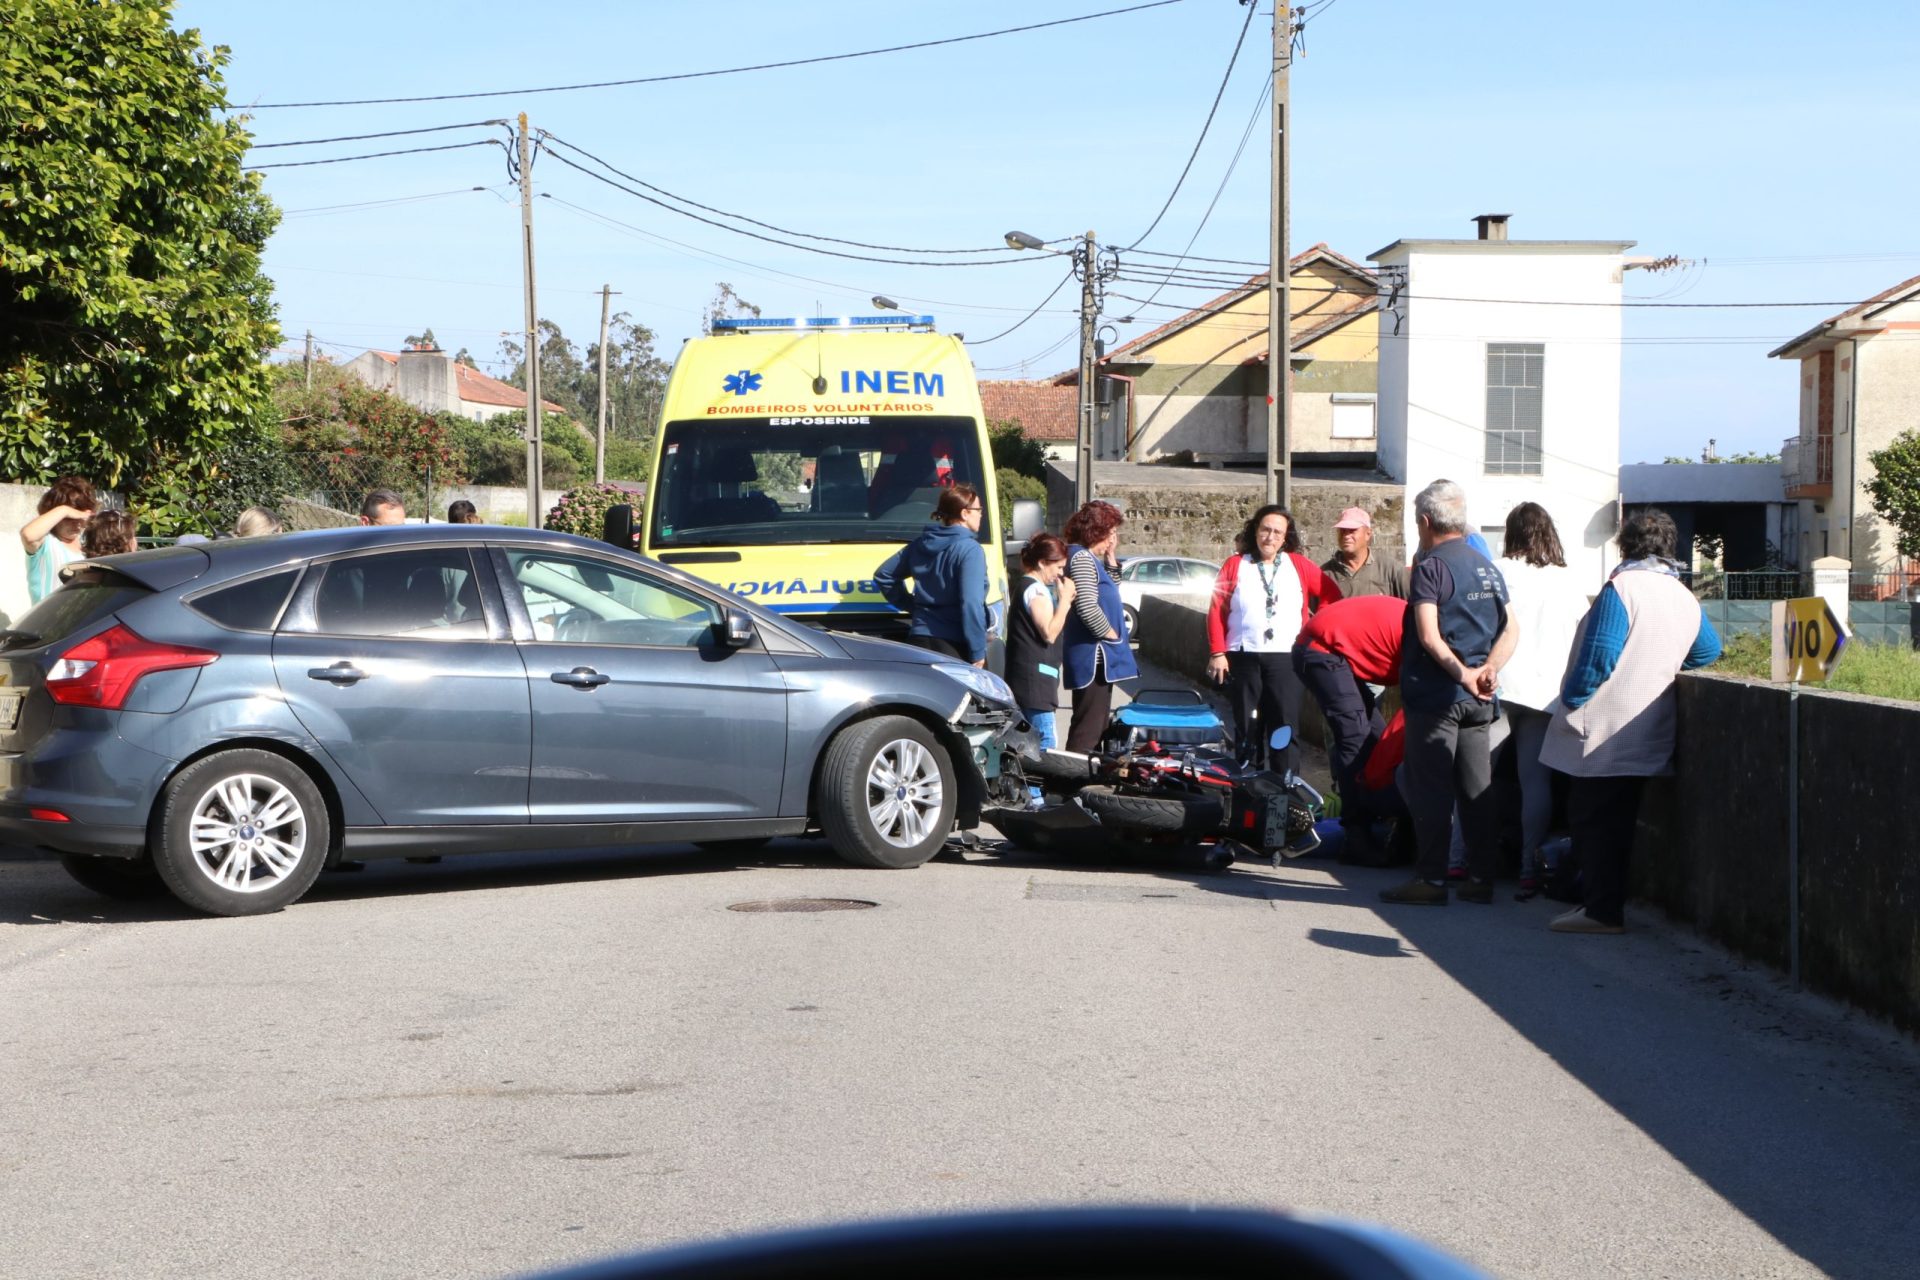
(224, 720)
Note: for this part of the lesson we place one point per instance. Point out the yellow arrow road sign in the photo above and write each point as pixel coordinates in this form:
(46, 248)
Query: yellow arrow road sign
(1807, 639)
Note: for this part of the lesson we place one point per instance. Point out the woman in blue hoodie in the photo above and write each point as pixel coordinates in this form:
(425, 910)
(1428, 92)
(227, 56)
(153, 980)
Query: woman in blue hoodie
(949, 572)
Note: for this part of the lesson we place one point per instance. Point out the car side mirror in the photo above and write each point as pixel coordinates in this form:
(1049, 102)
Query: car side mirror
(617, 526)
(1281, 739)
(735, 630)
(1028, 519)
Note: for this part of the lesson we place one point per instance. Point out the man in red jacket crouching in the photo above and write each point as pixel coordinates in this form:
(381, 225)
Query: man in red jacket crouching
(1342, 650)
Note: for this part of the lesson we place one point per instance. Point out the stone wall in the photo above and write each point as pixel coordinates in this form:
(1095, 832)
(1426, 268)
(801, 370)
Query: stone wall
(1713, 847)
(1197, 512)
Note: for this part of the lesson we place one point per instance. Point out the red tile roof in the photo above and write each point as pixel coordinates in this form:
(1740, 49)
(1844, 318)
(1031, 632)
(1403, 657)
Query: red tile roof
(1045, 411)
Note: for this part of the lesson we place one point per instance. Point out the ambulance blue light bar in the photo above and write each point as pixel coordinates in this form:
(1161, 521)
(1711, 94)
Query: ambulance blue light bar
(742, 324)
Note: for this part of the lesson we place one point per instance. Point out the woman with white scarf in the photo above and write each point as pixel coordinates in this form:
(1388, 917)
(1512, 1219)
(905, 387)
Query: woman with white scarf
(1613, 727)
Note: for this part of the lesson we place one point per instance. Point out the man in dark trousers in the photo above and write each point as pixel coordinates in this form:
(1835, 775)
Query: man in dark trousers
(1348, 646)
(1458, 636)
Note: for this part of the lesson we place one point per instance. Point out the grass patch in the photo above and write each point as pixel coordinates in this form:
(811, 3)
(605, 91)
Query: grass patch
(1877, 670)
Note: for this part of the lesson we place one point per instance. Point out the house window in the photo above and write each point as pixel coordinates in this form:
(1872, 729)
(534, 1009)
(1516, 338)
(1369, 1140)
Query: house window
(1514, 379)
(1353, 417)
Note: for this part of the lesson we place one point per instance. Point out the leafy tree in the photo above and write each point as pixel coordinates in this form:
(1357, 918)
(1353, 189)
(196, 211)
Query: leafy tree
(423, 341)
(133, 314)
(636, 377)
(1895, 489)
(1012, 451)
(727, 305)
(1756, 459)
(629, 459)
(636, 381)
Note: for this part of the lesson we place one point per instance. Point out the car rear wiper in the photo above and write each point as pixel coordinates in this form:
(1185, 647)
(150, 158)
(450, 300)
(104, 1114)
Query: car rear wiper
(18, 639)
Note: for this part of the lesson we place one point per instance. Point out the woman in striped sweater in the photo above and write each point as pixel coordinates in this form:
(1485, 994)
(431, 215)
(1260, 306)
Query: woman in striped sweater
(1096, 656)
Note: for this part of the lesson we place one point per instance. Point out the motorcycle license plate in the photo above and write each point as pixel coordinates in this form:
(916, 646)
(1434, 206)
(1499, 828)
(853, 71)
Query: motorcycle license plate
(1276, 833)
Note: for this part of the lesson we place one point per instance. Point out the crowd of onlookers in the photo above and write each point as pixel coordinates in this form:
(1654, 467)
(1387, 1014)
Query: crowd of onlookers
(1506, 655)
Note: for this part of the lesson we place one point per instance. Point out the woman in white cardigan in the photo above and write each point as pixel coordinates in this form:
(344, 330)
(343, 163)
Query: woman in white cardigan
(1546, 599)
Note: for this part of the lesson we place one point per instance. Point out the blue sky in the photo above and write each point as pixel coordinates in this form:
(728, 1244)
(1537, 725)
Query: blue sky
(1763, 140)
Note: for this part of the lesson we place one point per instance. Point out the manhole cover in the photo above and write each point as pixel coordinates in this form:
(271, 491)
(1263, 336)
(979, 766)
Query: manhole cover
(804, 904)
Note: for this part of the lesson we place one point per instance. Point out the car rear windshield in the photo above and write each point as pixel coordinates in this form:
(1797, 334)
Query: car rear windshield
(87, 596)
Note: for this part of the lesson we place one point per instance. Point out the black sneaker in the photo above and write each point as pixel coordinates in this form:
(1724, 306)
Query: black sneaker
(1480, 891)
(1416, 893)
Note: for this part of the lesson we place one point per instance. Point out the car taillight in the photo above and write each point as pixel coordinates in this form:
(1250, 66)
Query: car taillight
(102, 670)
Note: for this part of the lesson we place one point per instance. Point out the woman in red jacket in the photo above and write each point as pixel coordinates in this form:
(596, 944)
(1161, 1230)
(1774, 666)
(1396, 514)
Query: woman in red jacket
(1265, 593)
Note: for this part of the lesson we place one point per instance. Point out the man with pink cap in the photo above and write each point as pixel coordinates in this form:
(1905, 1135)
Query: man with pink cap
(1355, 568)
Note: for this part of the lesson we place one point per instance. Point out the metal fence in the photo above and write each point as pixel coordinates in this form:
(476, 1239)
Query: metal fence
(1766, 584)
(326, 489)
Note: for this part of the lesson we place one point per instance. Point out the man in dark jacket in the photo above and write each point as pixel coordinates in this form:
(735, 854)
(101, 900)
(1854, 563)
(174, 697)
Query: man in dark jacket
(948, 567)
(1458, 636)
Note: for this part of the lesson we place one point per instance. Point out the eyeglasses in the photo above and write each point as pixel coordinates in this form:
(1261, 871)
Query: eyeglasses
(970, 511)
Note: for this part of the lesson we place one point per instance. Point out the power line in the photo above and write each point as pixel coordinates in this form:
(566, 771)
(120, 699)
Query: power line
(1205, 125)
(371, 155)
(319, 209)
(755, 235)
(855, 291)
(1266, 87)
(552, 141)
(725, 71)
(391, 133)
(1031, 314)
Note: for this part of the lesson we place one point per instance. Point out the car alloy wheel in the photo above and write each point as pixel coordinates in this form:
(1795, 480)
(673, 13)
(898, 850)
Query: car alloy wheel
(904, 793)
(886, 793)
(248, 833)
(241, 832)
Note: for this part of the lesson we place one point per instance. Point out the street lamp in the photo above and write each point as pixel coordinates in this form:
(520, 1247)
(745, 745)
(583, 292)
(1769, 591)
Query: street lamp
(1093, 266)
(885, 303)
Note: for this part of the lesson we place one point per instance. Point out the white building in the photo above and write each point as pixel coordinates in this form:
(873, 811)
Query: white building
(1500, 370)
(434, 382)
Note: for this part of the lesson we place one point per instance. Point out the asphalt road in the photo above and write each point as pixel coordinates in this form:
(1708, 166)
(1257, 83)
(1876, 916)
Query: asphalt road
(492, 1065)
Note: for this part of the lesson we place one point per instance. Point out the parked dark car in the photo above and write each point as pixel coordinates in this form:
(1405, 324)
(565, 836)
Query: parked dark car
(228, 718)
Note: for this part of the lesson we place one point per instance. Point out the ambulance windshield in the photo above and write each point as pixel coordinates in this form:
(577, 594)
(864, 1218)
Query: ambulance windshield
(782, 481)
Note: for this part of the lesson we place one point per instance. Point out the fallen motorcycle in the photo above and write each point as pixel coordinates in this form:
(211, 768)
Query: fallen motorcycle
(1161, 789)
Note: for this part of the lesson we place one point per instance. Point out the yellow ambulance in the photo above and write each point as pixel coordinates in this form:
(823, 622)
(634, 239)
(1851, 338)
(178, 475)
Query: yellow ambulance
(796, 455)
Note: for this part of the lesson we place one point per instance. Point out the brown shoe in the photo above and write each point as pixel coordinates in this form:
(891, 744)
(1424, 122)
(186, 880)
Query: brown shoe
(1416, 893)
(1480, 891)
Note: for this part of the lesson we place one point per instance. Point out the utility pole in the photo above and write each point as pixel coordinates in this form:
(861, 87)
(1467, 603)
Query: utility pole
(600, 428)
(1280, 279)
(533, 328)
(1089, 322)
(306, 362)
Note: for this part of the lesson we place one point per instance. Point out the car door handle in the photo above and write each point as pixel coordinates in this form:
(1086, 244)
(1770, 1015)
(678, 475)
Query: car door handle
(338, 673)
(580, 678)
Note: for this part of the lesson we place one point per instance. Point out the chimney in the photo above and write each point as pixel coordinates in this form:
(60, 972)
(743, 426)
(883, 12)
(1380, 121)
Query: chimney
(1493, 226)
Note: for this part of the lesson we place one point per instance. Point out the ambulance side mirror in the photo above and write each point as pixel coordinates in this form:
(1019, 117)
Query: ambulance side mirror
(1028, 519)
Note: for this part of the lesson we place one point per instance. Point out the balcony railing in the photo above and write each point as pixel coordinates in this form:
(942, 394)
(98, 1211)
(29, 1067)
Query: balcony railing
(1806, 465)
